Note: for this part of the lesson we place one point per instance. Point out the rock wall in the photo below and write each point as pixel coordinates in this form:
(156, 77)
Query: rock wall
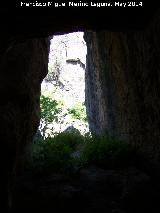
(122, 85)
(67, 55)
(131, 79)
(23, 65)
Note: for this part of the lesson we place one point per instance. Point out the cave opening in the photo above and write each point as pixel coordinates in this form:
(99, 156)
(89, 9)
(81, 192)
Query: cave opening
(124, 78)
(63, 164)
(62, 98)
(95, 176)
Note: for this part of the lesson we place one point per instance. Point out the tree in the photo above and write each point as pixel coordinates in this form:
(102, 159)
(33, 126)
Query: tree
(49, 112)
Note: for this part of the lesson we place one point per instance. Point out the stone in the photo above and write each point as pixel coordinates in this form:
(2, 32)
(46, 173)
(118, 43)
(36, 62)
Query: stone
(127, 102)
(72, 129)
(23, 67)
(122, 86)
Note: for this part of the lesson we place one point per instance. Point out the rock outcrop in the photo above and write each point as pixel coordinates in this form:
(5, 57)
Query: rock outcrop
(122, 85)
(23, 67)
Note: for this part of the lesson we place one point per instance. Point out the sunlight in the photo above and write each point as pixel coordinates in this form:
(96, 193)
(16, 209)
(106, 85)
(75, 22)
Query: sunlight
(63, 89)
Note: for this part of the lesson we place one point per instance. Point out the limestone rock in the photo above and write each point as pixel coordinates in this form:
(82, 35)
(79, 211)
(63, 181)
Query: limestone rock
(23, 67)
(122, 86)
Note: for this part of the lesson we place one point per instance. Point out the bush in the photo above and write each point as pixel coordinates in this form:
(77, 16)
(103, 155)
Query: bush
(107, 151)
(78, 112)
(71, 139)
(50, 110)
(54, 154)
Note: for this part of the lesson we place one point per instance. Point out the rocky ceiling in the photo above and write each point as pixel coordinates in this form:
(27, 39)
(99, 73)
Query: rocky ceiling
(37, 21)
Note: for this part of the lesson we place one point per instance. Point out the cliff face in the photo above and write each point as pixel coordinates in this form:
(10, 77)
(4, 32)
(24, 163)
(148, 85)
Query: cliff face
(23, 67)
(122, 85)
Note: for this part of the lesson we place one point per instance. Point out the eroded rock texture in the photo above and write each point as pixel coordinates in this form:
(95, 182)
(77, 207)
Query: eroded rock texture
(122, 78)
(23, 65)
(122, 85)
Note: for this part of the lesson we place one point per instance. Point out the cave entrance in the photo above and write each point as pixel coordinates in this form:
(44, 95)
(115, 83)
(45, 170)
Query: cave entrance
(63, 89)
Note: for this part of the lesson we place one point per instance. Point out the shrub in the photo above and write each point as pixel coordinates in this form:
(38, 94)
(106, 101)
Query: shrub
(107, 151)
(54, 154)
(50, 110)
(71, 139)
(78, 112)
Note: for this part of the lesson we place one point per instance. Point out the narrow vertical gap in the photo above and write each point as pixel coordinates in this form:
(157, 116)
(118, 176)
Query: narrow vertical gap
(63, 89)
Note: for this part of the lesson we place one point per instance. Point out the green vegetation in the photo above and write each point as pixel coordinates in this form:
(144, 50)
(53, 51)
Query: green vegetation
(107, 151)
(50, 110)
(54, 111)
(54, 153)
(57, 153)
(78, 112)
(70, 150)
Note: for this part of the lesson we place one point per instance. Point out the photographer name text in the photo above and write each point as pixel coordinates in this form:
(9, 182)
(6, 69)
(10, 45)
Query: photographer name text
(82, 4)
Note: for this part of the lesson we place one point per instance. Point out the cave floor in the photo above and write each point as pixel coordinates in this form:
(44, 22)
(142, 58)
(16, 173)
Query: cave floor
(90, 189)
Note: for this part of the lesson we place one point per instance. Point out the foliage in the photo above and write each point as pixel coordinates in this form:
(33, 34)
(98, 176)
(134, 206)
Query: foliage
(71, 139)
(56, 154)
(50, 110)
(78, 112)
(107, 151)
(54, 112)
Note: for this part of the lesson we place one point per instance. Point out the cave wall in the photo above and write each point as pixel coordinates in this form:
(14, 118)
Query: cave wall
(23, 65)
(123, 85)
(126, 100)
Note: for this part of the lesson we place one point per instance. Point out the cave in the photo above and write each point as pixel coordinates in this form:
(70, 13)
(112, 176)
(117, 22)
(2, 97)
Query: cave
(122, 80)
(64, 85)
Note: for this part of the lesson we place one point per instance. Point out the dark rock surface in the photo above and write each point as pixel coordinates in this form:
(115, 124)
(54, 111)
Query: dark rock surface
(38, 21)
(22, 69)
(132, 62)
(92, 189)
(122, 85)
